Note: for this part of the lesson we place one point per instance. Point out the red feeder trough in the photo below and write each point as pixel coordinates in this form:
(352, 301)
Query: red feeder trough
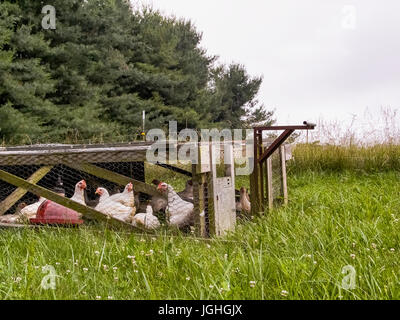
(53, 213)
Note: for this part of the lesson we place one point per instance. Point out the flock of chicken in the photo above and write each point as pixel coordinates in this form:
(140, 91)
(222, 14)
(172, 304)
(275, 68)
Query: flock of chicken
(124, 206)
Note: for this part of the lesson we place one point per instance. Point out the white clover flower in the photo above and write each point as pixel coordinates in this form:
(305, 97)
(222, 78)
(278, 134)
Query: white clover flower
(284, 293)
(353, 256)
(252, 284)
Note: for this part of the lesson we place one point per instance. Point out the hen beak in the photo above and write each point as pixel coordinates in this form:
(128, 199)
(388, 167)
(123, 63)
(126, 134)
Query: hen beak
(98, 191)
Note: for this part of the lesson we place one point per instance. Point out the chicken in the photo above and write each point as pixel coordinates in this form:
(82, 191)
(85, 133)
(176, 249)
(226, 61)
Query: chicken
(16, 217)
(146, 220)
(159, 204)
(10, 218)
(29, 212)
(181, 213)
(244, 203)
(127, 198)
(79, 195)
(187, 194)
(140, 206)
(112, 208)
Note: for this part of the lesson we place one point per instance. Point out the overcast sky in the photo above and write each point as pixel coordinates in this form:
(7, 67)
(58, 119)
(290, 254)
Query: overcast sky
(329, 59)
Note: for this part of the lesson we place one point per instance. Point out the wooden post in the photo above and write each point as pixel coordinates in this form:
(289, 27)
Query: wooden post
(17, 194)
(199, 201)
(270, 186)
(256, 177)
(283, 176)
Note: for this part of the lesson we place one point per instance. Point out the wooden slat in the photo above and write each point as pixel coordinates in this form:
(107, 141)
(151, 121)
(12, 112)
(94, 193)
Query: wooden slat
(269, 184)
(66, 202)
(283, 176)
(300, 127)
(14, 225)
(175, 169)
(115, 177)
(275, 145)
(17, 194)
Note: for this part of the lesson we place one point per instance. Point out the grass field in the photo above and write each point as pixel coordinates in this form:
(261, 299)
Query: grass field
(334, 219)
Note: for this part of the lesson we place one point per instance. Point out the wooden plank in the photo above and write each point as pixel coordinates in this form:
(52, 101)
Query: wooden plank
(284, 176)
(66, 202)
(17, 194)
(255, 180)
(54, 158)
(175, 169)
(199, 180)
(275, 145)
(14, 226)
(269, 184)
(300, 127)
(115, 177)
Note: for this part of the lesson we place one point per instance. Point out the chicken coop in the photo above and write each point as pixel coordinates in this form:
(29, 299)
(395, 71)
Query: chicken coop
(31, 173)
(107, 182)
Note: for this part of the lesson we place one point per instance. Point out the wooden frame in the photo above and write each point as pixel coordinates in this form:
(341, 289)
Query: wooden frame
(261, 185)
(17, 194)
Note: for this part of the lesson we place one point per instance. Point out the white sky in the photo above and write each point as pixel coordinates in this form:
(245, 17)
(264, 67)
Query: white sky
(316, 60)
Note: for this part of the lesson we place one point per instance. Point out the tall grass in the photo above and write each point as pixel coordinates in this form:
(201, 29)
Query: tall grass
(296, 252)
(375, 158)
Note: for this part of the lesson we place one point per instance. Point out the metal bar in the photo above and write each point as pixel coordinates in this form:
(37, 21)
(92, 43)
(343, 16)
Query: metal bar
(66, 202)
(17, 194)
(175, 169)
(276, 144)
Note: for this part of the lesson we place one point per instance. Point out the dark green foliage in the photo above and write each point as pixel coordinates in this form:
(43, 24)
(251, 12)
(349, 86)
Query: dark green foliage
(93, 75)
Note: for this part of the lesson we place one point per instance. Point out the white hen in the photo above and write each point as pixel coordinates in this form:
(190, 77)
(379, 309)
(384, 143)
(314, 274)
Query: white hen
(112, 208)
(127, 198)
(79, 195)
(146, 220)
(29, 212)
(180, 212)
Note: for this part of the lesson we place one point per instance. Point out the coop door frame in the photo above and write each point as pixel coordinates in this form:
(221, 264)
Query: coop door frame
(223, 189)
